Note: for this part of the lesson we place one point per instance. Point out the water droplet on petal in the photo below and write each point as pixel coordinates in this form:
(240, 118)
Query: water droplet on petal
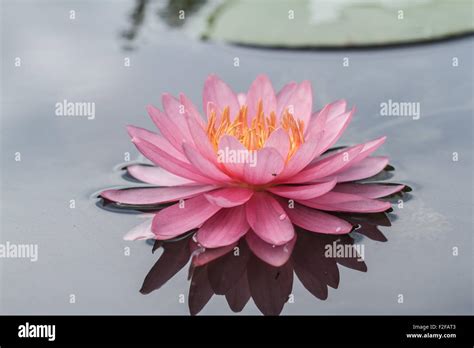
(282, 216)
(338, 229)
(273, 245)
(198, 252)
(285, 248)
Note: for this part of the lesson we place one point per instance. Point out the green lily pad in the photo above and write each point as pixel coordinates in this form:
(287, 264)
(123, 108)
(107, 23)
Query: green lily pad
(338, 23)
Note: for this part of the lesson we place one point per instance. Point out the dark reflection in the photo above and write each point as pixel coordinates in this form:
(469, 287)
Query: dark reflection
(240, 275)
(105, 204)
(136, 18)
(173, 13)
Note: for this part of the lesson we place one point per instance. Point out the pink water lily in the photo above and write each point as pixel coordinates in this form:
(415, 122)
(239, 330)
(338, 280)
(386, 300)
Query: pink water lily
(294, 180)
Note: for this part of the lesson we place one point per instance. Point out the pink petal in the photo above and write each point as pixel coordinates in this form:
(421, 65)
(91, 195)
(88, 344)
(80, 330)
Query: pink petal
(364, 169)
(229, 144)
(371, 146)
(171, 164)
(271, 254)
(336, 108)
(157, 140)
(212, 108)
(201, 140)
(175, 220)
(167, 127)
(280, 141)
(335, 201)
(204, 166)
(153, 195)
(141, 232)
(176, 113)
(369, 190)
(303, 191)
(261, 90)
(268, 219)
(301, 101)
(316, 124)
(156, 176)
(219, 93)
(242, 97)
(333, 130)
(267, 166)
(329, 112)
(284, 96)
(224, 228)
(317, 221)
(191, 109)
(229, 196)
(328, 165)
(303, 156)
(367, 149)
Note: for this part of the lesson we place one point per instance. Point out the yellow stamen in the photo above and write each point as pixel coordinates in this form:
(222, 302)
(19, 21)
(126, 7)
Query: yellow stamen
(255, 133)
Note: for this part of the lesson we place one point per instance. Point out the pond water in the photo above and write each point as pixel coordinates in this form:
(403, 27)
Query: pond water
(50, 164)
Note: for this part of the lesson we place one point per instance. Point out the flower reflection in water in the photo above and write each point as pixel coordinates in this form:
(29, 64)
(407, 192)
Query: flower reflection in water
(240, 273)
(250, 270)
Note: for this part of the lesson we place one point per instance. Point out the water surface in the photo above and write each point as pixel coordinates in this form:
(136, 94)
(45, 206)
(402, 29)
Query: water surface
(81, 251)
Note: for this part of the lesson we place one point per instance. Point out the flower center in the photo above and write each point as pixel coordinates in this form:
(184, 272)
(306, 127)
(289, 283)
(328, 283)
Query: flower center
(255, 133)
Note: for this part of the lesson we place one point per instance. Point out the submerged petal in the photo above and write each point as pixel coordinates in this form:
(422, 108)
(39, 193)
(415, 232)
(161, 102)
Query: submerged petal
(207, 255)
(273, 255)
(140, 232)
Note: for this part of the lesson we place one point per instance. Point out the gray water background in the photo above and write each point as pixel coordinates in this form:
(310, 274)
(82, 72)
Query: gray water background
(81, 250)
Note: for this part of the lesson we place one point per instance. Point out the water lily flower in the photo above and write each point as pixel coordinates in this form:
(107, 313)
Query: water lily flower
(292, 179)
